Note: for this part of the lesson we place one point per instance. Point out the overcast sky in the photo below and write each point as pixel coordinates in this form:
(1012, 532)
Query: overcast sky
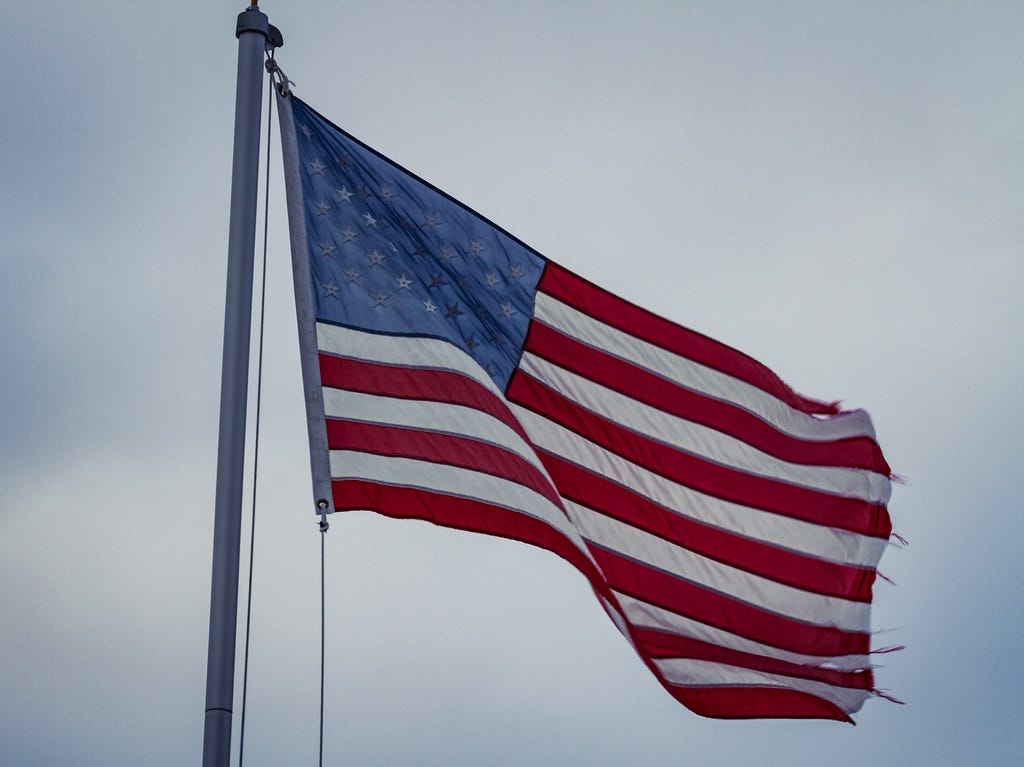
(834, 188)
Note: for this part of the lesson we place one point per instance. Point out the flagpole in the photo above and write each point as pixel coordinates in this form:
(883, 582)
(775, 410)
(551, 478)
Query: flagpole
(253, 31)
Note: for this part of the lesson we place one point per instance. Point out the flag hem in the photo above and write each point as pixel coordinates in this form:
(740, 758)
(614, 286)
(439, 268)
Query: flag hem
(309, 355)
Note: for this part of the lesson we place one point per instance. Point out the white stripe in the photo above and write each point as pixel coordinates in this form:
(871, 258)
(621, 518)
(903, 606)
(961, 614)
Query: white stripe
(408, 351)
(700, 378)
(702, 441)
(764, 593)
(685, 672)
(455, 481)
(424, 415)
(646, 615)
(819, 541)
(618, 617)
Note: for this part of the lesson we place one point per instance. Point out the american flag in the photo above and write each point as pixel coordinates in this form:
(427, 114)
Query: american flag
(729, 526)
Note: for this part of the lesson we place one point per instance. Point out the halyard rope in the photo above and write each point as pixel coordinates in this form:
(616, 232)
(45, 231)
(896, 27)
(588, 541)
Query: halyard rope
(256, 445)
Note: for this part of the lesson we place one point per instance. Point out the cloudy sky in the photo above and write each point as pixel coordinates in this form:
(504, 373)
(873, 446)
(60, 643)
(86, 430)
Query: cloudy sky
(835, 188)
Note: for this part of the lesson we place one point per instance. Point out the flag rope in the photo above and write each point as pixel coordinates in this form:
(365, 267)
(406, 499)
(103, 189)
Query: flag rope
(256, 439)
(324, 527)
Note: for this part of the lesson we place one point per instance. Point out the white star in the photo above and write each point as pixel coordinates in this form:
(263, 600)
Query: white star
(344, 194)
(404, 283)
(476, 247)
(515, 273)
(330, 289)
(380, 297)
(347, 235)
(327, 248)
(305, 131)
(431, 220)
(376, 258)
(507, 311)
(491, 279)
(352, 275)
(316, 167)
(370, 220)
(429, 307)
(447, 253)
(386, 192)
(321, 208)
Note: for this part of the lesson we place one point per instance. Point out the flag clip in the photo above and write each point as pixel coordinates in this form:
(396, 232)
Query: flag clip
(281, 81)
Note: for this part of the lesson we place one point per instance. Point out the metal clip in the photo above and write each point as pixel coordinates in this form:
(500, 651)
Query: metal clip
(281, 81)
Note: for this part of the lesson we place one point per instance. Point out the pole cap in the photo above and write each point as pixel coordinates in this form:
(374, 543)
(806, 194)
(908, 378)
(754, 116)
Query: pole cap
(252, 19)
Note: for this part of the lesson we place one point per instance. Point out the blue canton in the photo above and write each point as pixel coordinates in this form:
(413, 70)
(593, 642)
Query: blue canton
(391, 254)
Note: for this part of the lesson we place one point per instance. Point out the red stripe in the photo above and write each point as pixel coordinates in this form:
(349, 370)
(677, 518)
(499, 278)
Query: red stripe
(724, 612)
(756, 703)
(661, 644)
(415, 384)
(476, 516)
(448, 449)
(598, 303)
(705, 476)
(602, 495)
(644, 386)
(463, 514)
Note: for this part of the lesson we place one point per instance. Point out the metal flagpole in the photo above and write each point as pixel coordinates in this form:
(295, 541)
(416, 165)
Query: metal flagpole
(254, 32)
